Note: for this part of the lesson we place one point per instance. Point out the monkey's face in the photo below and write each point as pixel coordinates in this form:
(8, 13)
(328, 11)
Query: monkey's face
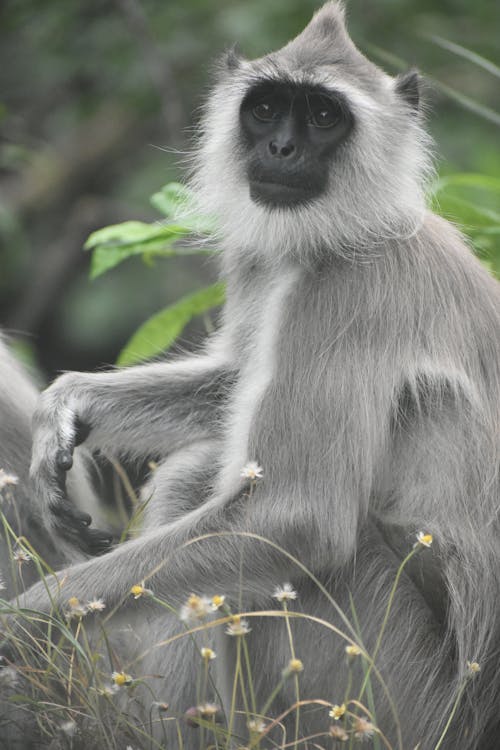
(310, 150)
(290, 134)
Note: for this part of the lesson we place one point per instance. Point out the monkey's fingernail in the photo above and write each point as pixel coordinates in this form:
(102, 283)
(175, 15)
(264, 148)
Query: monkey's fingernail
(82, 517)
(100, 539)
(64, 460)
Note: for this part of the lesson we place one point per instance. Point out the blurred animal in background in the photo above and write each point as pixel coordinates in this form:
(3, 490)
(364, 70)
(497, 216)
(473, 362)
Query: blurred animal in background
(18, 398)
(357, 363)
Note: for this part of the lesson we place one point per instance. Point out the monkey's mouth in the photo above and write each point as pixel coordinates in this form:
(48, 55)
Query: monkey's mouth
(278, 195)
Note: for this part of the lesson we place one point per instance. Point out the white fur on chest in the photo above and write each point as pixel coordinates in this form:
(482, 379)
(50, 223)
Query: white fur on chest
(256, 375)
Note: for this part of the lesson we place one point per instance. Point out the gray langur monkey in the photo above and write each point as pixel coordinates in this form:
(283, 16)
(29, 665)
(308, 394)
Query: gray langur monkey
(357, 362)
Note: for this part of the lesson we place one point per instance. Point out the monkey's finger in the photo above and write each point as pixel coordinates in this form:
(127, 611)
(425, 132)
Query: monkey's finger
(98, 541)
(64, 456)
(64, 459)
(72, 515)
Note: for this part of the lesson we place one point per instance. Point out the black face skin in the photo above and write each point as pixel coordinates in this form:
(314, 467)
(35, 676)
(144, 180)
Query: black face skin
(291, 133)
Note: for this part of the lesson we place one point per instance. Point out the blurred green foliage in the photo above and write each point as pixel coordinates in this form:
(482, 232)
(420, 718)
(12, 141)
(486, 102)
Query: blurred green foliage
(97, 98)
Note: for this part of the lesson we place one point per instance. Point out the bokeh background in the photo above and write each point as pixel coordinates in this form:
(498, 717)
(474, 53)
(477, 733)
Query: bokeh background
(97, 102)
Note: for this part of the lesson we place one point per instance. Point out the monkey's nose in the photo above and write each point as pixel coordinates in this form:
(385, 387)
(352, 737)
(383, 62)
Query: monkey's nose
(281, 150)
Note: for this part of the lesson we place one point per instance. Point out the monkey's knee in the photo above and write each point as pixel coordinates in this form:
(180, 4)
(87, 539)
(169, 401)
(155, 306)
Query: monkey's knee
(182, 482)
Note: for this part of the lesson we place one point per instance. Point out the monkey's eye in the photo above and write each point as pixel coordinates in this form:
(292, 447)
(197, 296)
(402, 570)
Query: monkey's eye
(265, 112)
(323, 112)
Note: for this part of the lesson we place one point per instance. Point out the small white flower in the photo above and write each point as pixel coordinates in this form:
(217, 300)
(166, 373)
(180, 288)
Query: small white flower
(252, 471)
(284, 593)
(108, 690)
(238, 626)
(2, 584)
(338, 733)
(217, 601)
(423, 539)
(352, 650)
(121, 679)
(138, 590)
(68, 728)
(196, 608)
(75, 609)
(207, 654)
(208, 710)
(363, 729)
(337, 711)
(96, 605)
(7, 480)
(256, 726)
(295, 666)
(21, 556)
(473, 667)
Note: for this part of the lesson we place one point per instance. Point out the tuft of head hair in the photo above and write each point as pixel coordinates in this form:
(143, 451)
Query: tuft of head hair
(328, 21)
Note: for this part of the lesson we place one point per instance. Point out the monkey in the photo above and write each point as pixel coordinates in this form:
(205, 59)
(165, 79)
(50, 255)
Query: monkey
(18, 398)
(357, 362)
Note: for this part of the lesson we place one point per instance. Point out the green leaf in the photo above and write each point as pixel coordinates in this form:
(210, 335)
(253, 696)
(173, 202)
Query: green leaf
(468, 180)
(466, 212)
(176, 202)
(106, 257)
(127, 232)
(160, 331)
(172, 200)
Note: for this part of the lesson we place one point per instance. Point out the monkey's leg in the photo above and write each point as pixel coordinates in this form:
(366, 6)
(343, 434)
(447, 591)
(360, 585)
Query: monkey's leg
(181, 483)
(443, 478)
(412, 683)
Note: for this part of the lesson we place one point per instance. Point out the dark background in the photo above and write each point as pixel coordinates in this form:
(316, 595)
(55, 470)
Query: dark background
(97, 99)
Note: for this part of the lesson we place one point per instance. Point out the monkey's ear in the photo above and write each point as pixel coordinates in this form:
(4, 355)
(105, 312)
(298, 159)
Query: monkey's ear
(408, 87)
(233, 58)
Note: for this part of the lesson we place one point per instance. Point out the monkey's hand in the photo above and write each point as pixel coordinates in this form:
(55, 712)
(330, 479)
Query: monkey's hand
(59, 425)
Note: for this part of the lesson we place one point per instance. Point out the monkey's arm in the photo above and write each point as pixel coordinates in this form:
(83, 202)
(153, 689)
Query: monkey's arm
(308, 502)
(174, 562)
(141, 411)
